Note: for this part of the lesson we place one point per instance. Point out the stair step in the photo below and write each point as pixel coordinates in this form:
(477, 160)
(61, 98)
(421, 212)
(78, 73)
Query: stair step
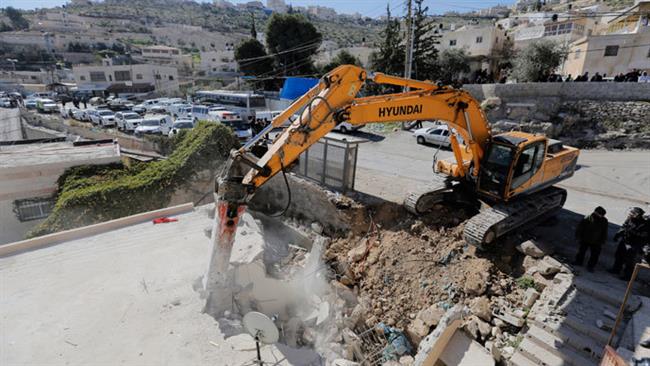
(558, 347)
(612, 295)
(588, 328)
(520, 359)
(578, 341)
(539, 355)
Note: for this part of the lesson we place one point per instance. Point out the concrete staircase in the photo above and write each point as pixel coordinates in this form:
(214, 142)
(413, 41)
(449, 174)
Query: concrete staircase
(561, 327)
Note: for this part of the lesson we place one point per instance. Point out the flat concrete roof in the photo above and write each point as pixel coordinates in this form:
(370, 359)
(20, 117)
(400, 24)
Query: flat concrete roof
(32, 155)
(121, 297)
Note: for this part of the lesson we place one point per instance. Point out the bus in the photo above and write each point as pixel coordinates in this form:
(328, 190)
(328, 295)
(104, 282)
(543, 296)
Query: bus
(244, 103)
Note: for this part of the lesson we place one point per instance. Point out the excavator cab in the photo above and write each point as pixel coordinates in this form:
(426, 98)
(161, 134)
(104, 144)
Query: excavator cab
(512, 164)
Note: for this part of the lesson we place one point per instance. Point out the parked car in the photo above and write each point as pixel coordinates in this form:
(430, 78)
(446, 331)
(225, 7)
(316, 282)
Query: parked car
(438, 135)
(157, 124)
(179, 109)
(127, 121)
(181, 124)
(157, 109)
(31, 103)
(346, 127)
(103, 117)
(96, 101)
(5, 102)
(46, 106)
(150, 103)
(80, 115)
(42, 95)
(139, 108)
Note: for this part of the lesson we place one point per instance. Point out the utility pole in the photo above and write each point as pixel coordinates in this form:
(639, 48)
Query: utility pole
(409, 41)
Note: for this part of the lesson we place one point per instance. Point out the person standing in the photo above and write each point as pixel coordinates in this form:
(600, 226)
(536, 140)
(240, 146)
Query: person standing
(632, 236)
(592, 235)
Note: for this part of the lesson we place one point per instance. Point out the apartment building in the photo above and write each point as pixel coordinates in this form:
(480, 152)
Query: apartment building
(480, 42)
(164, 55)
(623, 46)
(127, 79)
(216, 62)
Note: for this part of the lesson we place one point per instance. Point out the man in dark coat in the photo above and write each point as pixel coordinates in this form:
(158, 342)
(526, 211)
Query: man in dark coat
(633, 236)
(592, 235)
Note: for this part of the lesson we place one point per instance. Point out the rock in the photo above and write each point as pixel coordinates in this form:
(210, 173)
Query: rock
(507, 351)
(477, 328)
(549, 266)
(346, 280)
(480, 307)
(603, 325)
(530, 296)
(431, 315)
(609, 314)
(476, 283)
(373, 256)
(344, 292)
(417, 330)
(530, 265)
(406, 360)
(530, 248)
(357, 253)
(317, 227)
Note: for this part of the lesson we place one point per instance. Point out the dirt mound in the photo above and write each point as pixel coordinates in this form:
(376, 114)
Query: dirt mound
(418, 264)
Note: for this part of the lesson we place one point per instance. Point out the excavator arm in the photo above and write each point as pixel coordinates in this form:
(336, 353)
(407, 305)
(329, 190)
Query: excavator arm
(334, 100)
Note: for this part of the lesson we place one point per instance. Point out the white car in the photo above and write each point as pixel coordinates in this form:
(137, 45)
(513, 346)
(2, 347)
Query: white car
(31, 103)
(80, 115)
(46, 106)
(127, 121)
(437, 135)
(181, 124)
(5, 102)
(346, 127)
(103, 117)
(139, 108)
(154, 125)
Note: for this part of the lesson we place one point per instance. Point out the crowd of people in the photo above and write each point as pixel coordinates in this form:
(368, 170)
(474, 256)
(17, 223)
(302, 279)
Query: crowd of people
(634, 76)
(633, 241)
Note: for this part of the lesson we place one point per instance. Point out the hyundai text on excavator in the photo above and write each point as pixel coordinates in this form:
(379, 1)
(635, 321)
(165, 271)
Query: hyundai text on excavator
(510, 175)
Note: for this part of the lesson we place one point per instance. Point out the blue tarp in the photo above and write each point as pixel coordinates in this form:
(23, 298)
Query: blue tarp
(295, 87)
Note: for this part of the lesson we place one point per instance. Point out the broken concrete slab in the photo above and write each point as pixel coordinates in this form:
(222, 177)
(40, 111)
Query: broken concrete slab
(480, 306)
(532, 249)
(549, 266)
(463, 351)
(431, 315)
(431, 347)
(530, 296)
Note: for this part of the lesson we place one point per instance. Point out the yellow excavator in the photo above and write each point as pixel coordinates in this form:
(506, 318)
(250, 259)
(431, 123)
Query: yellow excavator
(509, 175)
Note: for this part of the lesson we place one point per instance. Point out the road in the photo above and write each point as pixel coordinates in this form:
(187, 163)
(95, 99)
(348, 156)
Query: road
(616, 180)
(10, 125)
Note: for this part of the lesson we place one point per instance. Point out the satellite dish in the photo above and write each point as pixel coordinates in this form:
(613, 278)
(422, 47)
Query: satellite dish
(261, 327)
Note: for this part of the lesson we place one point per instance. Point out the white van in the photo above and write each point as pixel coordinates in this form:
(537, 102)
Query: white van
(154, 124)
(233, 120)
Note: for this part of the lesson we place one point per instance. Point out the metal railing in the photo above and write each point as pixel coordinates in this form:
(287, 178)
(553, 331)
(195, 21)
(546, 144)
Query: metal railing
(331, 163)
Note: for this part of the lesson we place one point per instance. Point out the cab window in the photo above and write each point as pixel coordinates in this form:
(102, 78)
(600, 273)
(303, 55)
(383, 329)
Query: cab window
(528, 163)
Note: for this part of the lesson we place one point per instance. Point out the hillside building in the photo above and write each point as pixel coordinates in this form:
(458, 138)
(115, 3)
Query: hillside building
(480, 42)
(218, 62)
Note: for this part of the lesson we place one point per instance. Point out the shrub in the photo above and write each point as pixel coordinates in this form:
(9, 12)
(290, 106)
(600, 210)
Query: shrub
(92, 194)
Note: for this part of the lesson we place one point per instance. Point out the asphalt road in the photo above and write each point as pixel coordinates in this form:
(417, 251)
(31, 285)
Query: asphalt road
(10, 124)
(616, 180)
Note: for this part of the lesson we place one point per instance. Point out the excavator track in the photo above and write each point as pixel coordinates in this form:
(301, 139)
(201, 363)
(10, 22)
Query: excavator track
(498, 220)
(421, 201)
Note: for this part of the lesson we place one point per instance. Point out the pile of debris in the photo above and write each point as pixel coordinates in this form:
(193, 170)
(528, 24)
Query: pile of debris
(408, 275)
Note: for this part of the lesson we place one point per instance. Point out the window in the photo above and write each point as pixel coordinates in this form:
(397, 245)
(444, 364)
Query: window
(648, 52)
(110, 77)
(82, 78)
(479, 39)
(158, 77)
(214, 60)
(33, 208)
(138, 76)
(452, 42)
(611, 50)
(97, 76)
(122, 75)
(578, 53)
(171, 78)
(528, 163)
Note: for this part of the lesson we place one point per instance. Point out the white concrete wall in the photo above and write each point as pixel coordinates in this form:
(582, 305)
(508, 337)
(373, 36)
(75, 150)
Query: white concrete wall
(633, 53)
(164, 78)
(218, 61)
(562, 91)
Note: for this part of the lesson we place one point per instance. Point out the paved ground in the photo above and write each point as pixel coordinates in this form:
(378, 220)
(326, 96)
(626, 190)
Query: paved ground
(10, 124)
(121, 297)
(617, 180)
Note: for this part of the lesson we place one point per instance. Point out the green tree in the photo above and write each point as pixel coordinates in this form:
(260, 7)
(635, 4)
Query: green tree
(425, 38)
(504, 57)
(538, 60)
(390, 57)
(293, 40)
(451, 64)
(253, 30)
(252, 58)
(16, 18)
(342, 58)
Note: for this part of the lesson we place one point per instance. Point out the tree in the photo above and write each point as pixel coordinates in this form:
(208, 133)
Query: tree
(342, 58)
(16, 18)
(504, 57)
(425, 38)
(253, 30)
(252, 58)
(390, 58)
(293, 40)
(538, 61)
(452, 63)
